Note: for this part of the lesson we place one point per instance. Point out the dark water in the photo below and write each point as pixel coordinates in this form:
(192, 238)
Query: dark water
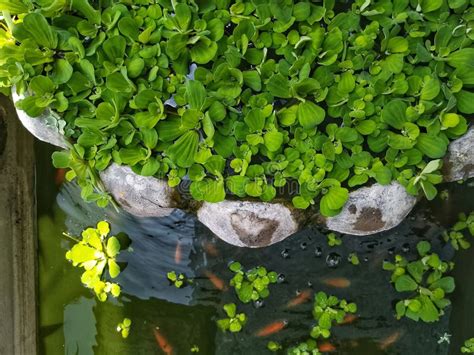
(73, 321)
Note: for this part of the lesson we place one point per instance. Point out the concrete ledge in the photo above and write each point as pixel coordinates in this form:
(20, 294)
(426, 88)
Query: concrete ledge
(18, 252)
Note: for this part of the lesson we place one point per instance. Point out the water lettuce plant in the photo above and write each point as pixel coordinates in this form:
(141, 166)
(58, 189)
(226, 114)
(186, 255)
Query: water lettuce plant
(124, 327)
(96, 253)
(251, 285)
(327, 311)
(178, 280)
(423, 283)
(456, 235)
(468, 347)
(244, 97)
(234, 321)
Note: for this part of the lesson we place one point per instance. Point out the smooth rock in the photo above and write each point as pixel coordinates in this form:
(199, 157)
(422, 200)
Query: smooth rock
(247, 223)
(459, 162)
(44, 127)
(140, 196)
(373, 209)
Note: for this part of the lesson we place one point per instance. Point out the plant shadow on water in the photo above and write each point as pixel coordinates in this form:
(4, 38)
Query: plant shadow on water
(186, 316)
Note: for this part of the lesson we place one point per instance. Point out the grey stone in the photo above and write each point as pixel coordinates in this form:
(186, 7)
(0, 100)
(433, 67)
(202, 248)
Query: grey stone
(140, 196)
(247, 223)
(459, 162)
(45, 127)
(373, 209)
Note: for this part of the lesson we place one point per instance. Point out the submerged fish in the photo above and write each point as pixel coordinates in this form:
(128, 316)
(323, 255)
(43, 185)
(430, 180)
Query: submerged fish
(272, 328)
(216, 280)
(59, 176)
(302, 297)
(387, 342)
(210, 249)
(163, 342)
(177, 253)
(349, 319)
(338, 282)
(326, 347)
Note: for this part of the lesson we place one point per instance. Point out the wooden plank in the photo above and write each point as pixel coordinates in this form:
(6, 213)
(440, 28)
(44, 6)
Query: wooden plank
(18, 252)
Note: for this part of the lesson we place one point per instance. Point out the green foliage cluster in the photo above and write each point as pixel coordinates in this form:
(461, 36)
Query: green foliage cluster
(96, 253)
(124, 327)
(251, 285)
(456, 235)
(234, 321)
(178, 280)
(333, 240)
(468, 347)
(332, 96)
(426, 283)
(327, 311)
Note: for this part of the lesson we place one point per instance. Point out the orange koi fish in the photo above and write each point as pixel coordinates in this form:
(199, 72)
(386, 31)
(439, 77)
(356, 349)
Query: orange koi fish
(338, 282)
(272, 328)
(177, 253)
(301, 298)
(349, 319)
(216, 281)
(59, 176)
(387, 342)
(210, 249)
(326, 347)
(163, 342)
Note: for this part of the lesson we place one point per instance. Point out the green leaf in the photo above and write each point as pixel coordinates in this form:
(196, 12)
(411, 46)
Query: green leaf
(310, 114)
(40, 31)
(15, 7)
(278, 86)
(405, 283)
(195, 94)
(273, 140)
(61, 160)
(465, 100)
(423, 248)
(114, 269)
(62, 72)
(397, 45)
(182, 151)
(430, 89)
(394, 114)
(255, 120)
(432, 146)
(463, 58)
(176, 45)
(132, 156)
(203, 51)
(430, 5)
(446, 283)
(118, 83)
(42, 85)
(335, 198)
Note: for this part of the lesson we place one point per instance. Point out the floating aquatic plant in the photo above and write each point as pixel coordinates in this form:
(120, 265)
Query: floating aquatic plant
(178, 280)
(424, 284)
(329, 96)
(251, 285)
(234, 321)
(333, 240)
(274, 346)
(468, 347)
(456, 235)
(327, 311)
(96, 253)
(124, 327)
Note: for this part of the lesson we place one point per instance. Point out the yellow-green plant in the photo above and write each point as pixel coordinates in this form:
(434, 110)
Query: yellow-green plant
(96, 253)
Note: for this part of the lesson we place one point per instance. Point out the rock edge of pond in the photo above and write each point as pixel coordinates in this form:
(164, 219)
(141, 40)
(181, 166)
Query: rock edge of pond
(255, 224)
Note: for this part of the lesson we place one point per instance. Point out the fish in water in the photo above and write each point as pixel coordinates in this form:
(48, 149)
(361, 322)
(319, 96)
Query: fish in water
(162, 342)
(337, 282)
(387, 342)
(216, 281)
(326, 347)
(210, 249)
(59, 176)
(272, 328)
(349, 319)
(301, 298)
(177, 253)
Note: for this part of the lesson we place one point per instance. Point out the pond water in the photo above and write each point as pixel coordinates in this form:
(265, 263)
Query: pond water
(73, 321)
